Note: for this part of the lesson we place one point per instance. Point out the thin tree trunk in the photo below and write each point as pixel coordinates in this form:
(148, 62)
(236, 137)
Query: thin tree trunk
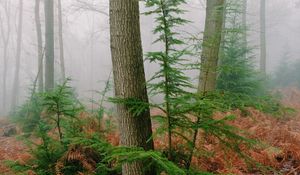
(263, 50)
(39, 46)
(244, 22)
(211, 45)
(4, 77)
(18, 57)
(5, 32)
(129, 78)
(49, 45)
(61, 41)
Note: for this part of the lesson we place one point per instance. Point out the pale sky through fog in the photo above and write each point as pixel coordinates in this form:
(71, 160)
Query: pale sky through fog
(86, 35)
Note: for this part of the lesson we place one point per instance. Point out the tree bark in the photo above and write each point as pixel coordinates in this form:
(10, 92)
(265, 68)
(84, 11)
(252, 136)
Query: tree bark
(5, 32)
(244, 22)
(49, 45)
(211, 45)
(61, 41)
(211, 52)
(15, 94)
(39, 46)
(129, 78)
(263, 50)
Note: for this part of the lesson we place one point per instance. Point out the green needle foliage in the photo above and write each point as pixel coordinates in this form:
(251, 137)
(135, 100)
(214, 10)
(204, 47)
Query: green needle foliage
(287, 73)
(75, 151)
(100, 103)
(60, 104)
(113, 157)
(182, 109)
(44, 154)
(28, 115)
(170, 80)
(237, 73)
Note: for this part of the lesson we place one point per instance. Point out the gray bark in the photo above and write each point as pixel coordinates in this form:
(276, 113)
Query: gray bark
(15, 94)
(263, 50)
(39, 46)
(49, 45)
(211, 45)
(61, 41)
(129, 78)
(5, 32)
(244, 22)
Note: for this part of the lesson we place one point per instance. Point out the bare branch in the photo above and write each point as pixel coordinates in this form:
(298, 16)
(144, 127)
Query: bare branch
(84, 5)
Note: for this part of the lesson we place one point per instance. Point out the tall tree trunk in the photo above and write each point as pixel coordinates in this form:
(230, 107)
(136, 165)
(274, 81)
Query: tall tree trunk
(211, 45)
(244, 22)
(263, 50)
(129, 78)
(61, 41)
(15, 95)
(39, 46)
(49, 45)
(213, 35)
(223, 33)
(5, 32)
(4, 77)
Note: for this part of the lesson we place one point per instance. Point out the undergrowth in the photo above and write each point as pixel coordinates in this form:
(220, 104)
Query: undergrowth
(61, 141)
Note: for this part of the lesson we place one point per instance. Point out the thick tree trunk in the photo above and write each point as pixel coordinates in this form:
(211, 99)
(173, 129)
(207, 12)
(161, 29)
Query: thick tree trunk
(211, 45)
(129, 77)
(49, 45)
(223, 33)
(39, 46)
(263, 50)
(61, 41)
(15, 94)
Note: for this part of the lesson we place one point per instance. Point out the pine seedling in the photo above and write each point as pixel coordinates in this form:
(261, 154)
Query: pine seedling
(60, 103)
(170, 80)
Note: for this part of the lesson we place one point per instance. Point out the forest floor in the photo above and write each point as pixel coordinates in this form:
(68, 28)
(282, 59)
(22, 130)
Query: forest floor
(280, 148)
(10, 149)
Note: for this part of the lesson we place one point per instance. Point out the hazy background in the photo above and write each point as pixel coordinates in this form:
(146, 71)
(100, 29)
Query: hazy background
(87, 49)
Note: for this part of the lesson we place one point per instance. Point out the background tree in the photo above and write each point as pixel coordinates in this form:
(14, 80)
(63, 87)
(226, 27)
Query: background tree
(236, 69)
(61, 41)
(5, 35)
(40, 48)
(263, 51)
(244, 21)
(211, 45)
(18, 57)
(49, 44)
(211, 50)
(129, 78)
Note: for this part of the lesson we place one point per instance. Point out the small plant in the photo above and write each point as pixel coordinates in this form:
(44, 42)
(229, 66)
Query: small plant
(44, 152)
(28, 115)
(60, 104)
(237, 73)
(101, 111)
(171, 79)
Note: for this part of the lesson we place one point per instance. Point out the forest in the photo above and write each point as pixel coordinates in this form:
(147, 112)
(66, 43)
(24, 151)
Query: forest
(149, 87)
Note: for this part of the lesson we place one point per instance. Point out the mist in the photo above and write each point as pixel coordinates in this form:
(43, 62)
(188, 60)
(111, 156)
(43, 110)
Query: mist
(86, 40)
(127, 87)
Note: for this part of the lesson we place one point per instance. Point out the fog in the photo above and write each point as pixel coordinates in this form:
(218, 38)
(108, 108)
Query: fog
(87, 49)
